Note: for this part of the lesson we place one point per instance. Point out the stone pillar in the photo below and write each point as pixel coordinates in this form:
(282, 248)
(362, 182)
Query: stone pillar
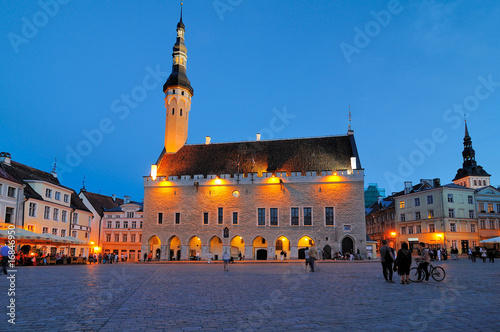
(184, 252)
(270, 253)
(294, 252)
(164, 252)
(144, 250)
(248, 251)
(205, 249)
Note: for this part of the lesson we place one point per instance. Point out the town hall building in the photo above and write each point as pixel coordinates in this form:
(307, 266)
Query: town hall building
(253, 199)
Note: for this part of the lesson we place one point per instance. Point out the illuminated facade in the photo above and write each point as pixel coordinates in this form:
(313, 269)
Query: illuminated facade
(254, 199)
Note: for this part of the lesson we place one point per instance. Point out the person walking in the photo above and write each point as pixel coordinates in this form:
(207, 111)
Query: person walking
(4, 252)
(145, 257)
(306, 255)
(469, 253)
(313, 255)
(473, 255)
(483, 254)
(282, 255)
(403, 263)
(424, 260)
(225, 259)
(386, 258)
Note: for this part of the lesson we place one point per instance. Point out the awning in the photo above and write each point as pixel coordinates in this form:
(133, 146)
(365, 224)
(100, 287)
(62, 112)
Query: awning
(492, 240)
(22, 235)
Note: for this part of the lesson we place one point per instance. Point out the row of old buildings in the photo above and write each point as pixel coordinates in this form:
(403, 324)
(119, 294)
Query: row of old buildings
(457, 215)
(254, 199)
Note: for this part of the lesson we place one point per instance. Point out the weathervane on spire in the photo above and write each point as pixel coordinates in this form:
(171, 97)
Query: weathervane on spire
(55, 165)
(349, 118)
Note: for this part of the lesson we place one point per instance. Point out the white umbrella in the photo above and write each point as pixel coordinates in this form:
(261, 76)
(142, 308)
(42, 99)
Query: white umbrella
(492, 240)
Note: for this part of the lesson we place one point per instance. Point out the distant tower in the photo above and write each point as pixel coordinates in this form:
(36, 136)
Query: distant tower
(471, 175)
(178, 94)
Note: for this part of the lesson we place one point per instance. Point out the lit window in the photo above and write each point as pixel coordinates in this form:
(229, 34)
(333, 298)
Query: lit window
(481, 207)
(402, 204)
(490, 207)
(31, 228)
(430, 214)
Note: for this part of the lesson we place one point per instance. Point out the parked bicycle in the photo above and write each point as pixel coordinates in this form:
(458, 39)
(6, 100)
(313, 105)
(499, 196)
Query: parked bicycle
(436, 272)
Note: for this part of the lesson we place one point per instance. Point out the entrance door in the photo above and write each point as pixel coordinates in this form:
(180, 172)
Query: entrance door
(465, 246)
(347, 245)
(327, 252)
(302, 254)
(261, 254)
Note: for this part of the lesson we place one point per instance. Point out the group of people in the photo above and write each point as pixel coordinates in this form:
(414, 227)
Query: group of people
(483, 253)
(348, 255)
(107, 258)
(401, 262)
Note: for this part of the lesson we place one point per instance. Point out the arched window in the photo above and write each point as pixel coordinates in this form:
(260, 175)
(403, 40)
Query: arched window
(475, 182)
(484, 182)
(181, 112)
(173, 111)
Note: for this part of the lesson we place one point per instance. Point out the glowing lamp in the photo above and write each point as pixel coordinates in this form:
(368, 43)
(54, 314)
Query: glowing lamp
(393, 233)
(91, 243)
(96, 248)
(198, 239)
(439, 235)
(154, 170)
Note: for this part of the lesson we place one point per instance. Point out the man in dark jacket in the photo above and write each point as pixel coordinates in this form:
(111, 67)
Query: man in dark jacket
(387, 258)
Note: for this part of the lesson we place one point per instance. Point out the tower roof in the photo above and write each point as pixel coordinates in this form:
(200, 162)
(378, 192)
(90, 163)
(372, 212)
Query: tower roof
(469, 166)
(178, 75)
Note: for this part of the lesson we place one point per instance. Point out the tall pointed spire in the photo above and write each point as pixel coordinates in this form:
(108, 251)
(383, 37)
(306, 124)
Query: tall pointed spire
(178, 94)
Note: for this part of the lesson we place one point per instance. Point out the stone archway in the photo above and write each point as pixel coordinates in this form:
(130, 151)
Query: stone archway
(154, 246)
(327, 252)
(282, 244)
(175, 249)
(347, 245)
(194, 247)
(304, 242)
(216, 248)
(237, 247)
(260, 248)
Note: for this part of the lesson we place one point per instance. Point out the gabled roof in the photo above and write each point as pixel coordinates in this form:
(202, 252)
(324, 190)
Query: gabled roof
(488, 190)
(23, 172)
(102, 203)
(77, 203)
(7, 176)
(290, 155)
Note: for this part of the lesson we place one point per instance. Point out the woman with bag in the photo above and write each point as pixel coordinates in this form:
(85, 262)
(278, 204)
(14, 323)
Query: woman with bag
(403, 263)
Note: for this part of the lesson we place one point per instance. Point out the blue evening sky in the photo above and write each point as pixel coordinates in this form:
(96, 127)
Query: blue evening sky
(408, 77)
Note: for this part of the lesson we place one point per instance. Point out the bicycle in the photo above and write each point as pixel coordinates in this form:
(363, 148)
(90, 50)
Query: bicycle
(436, 272)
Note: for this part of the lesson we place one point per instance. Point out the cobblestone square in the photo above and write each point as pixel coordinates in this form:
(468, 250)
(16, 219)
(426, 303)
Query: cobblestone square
(269, 297)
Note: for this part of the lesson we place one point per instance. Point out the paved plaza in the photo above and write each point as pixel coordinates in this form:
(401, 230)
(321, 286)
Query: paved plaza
(270, 297)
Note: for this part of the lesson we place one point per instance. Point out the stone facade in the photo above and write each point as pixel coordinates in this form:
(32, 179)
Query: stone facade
(192, 198)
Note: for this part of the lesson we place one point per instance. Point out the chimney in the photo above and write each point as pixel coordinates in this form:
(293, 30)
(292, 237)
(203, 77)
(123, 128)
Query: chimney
(113, 197)
(379, 199)
(353, 163)
(207, 140)
(126, 199)
(5, 158)
(408, 186)
(436, 182)
(258, 136)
